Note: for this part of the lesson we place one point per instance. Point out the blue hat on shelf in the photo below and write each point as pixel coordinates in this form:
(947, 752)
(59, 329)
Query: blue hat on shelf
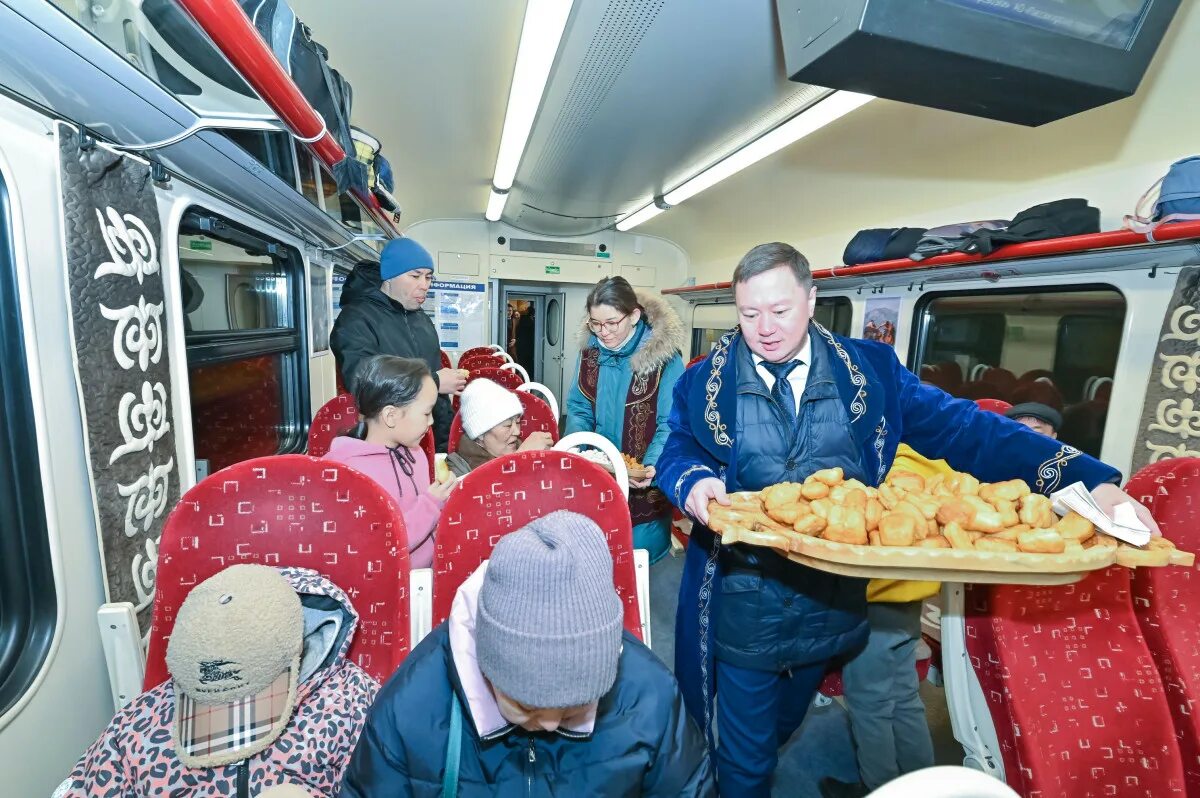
(403, 255)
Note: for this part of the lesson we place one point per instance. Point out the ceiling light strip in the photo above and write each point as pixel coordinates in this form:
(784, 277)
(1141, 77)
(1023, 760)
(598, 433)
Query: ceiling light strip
(495, 206)
(834, 106)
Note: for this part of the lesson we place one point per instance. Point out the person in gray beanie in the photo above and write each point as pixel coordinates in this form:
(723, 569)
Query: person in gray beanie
(532, 686)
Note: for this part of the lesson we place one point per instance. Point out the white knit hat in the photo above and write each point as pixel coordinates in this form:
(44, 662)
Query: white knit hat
(484, 404)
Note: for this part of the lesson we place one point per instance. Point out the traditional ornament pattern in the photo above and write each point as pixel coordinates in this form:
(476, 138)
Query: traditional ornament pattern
(1170, 424)
(123, 370)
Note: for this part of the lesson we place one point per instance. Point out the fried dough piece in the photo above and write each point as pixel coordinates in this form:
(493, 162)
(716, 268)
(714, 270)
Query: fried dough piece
(821, 507)
(935, 483)
(830, 476)
(889, 497)
(957, 536)
(1074, 526)
(856, 499)
(810, 524)
(746, 500)
(911, 509)
(988, 521)
(873, 537)
(1011, 490)
(906, 480)
(927, 504)
(814, 490)
(1176, 556)
(788, 514)
(898, 529)
(1073, 547)
(1010, 533)
(933, 542)
(846, 525)
(780, 495)
(874, 512)
(963, 484)
(1037, 512)
(1041, 541)
(989, 543)
(1007, 511)
(955, 510)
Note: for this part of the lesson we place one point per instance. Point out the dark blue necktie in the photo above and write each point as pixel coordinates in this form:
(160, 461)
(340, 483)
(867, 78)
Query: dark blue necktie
(781, 392)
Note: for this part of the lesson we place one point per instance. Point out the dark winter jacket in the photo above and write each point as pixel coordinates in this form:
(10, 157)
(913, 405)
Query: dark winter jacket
(371, 323)
(641, 742)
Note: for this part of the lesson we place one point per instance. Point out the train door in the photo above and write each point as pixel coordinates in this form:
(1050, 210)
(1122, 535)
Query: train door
(533, 332)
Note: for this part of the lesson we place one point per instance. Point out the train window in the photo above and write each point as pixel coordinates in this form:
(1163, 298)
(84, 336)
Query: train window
(28, 603)
(271, 149)
(832, 312)
(247, 361)
(333, 203)
(307, 172)
(1054, 346)
(322, 308)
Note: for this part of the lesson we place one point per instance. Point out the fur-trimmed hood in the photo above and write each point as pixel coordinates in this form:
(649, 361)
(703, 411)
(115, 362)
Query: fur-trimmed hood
(664, 338)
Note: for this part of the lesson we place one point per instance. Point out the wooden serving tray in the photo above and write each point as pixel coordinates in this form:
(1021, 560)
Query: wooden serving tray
(940, 565)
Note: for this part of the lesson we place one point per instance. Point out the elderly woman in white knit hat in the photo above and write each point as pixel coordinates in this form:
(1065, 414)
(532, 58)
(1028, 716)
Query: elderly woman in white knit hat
(532, 688)
(491, 421)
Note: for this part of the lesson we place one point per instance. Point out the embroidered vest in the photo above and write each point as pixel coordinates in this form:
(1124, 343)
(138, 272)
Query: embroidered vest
(637, 428)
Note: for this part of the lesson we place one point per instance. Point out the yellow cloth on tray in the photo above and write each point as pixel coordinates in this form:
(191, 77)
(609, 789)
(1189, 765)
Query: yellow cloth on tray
(896, 591)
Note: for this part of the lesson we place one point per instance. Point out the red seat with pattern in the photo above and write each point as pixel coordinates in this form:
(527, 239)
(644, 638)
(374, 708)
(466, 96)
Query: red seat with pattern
(477, 350)
(482, 361)
(1167, 600)
(336, 417)
(537, 418)
(445, 358)
(291, 510)
(1077, 703)
(509, 492)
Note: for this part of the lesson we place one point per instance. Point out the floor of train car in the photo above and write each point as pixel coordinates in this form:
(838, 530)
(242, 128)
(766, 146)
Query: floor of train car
(823, 745)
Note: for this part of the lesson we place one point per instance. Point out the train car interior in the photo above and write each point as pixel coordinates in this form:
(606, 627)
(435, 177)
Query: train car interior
(232, 230)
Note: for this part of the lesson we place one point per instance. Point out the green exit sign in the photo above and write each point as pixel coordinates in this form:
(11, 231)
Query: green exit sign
(200, 244)
(552, 270)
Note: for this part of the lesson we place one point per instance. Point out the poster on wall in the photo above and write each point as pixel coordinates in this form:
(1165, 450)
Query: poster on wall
(881, 320)
(339, 282)
(459, 312)
(113, 241)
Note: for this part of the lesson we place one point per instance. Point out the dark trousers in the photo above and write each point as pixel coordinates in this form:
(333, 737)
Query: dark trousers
(757, 712)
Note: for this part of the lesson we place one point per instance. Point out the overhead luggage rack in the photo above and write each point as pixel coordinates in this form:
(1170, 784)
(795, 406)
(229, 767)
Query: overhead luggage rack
(1092, 243)
(227, 25)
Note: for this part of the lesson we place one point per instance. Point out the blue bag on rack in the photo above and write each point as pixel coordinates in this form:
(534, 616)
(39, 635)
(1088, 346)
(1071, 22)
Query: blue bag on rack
(1174, 197)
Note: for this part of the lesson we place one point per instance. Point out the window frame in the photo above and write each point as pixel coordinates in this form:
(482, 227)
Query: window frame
(840, 303)
(921, 319)
(205, 348)
(28, 593)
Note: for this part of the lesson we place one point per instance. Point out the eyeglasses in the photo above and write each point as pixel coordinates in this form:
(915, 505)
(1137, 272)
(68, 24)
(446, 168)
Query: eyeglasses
(607, 326)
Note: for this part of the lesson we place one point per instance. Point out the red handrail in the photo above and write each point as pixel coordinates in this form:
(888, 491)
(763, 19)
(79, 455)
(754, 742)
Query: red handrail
(1109, 239)
(236, 37)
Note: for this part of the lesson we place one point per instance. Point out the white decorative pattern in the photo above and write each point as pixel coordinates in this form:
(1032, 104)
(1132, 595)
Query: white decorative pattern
(143, 569)
(713, 386)
(880, 442)
(1050, 472)
(144, 422)
(1166, 452)
(1185, 325)
(146, 498)
(138, 336)
(131, 246)
(1181, 371)
(858, 405)
(1177, 417)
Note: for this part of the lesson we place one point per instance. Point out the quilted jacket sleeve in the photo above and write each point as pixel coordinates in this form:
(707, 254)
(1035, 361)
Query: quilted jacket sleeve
(377, 766)
(682, 766)
(353, 340)
(988, 445)
(683, 461)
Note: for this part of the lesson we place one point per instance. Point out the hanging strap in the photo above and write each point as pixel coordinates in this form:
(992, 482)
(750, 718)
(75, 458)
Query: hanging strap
(453, 750)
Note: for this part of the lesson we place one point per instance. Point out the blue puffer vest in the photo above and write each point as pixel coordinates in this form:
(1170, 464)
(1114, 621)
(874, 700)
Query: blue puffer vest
(776, 614)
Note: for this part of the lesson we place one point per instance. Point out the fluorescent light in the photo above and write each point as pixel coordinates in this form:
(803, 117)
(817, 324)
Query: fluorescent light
(637, 217)
(810, 119)
(541, 33)
(495, 206)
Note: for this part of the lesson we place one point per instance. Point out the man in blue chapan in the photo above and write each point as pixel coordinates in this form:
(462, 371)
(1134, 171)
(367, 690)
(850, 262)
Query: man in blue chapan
(777, 399)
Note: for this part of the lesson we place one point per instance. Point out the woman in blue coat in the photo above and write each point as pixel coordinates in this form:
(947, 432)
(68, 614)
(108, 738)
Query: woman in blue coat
(622, 390)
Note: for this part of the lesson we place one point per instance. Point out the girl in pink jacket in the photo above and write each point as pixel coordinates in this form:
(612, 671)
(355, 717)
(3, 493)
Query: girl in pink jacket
(395, 398)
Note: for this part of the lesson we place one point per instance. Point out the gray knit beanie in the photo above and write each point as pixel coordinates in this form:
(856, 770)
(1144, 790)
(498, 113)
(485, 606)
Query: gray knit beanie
(548, 629)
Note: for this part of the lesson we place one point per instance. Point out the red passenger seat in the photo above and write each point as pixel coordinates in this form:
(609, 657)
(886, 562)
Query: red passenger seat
(1076, 701)
(336, 417)
(444, 358)
(478, 350)
(508, 378)
(1167, 600)
(291, 510)
(509, 492)
(481, 361)
(538, 417)
(1038, 391)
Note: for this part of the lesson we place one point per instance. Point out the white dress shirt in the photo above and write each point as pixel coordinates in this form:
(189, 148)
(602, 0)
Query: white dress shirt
(798, 378)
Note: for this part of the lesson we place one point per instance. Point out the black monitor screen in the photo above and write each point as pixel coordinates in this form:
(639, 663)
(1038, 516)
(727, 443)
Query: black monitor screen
(1110, 22)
